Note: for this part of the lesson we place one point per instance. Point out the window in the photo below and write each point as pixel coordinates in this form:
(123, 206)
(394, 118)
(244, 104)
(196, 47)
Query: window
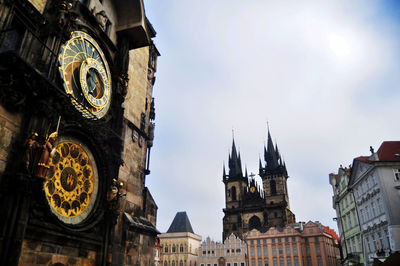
(166, 249)
(273, 251)
(264, 241)
(260, 263)
(286, 239)
(166, 264)
(318, 249)
(259, 252)
(233, 193)
(367, 217)
(173, 263)
(272, 232)
(280, 251)
(252, 252)
(253, 263)
(289, 262)
(316, 239)
(396, 174)
(251, 242)
(173, 248)
(311, 230)
(319, 262)
(296, 262)
(272, 185)
(275, 263)
(293, 239)
(281, 263)
(228, 264)
(279, 240)
(258, 241)
(242, 264)
(265, 252)
(235, 264)
(308, 250)
(266, 263)
(295, 250)
(287, 250)
(362, 220)
(181, 248)
(181, 263)
(273, 240)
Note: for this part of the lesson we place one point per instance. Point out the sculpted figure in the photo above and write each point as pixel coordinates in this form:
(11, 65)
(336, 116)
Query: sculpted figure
(31, 151)
(43, 164)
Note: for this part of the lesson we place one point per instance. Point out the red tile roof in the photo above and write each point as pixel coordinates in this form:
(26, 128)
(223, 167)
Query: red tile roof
(389, 151)
(331, 232)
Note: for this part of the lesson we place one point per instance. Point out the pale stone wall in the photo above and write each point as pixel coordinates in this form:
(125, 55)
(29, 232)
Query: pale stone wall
(132, 172)
(9, 127)
(190, 243)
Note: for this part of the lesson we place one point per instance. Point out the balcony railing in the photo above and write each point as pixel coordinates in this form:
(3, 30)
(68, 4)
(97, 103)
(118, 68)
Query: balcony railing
(29, 48)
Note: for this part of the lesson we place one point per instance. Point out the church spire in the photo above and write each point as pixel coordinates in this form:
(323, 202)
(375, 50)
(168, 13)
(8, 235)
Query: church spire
(273, 160)
(235, 164)
(270, 154)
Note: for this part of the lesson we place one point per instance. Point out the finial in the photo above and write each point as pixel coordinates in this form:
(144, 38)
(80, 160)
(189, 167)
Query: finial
(371, 149)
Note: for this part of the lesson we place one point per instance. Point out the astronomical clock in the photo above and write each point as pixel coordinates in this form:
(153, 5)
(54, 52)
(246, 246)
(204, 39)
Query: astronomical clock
(86, 75)
(72, 185)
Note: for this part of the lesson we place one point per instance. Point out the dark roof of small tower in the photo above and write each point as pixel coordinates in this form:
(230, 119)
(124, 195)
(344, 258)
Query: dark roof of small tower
(272, 157)
(235, 163)
(180, 223)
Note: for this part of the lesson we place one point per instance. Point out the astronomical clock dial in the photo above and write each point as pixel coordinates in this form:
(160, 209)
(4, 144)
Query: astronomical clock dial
(72, 185)
(86, 75)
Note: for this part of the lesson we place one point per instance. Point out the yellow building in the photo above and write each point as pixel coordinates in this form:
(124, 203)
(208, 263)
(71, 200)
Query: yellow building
(179, 244)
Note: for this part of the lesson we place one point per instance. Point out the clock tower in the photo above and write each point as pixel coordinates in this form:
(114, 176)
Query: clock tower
(76, 128)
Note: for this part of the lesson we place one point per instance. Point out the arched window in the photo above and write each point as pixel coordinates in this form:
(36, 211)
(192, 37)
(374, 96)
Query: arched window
(173, 263)
(173, 248)
(181, 263)
(254, 222)
(165, 263)
(181, 248)
(166, 249)
(233, 192)
(272, 184)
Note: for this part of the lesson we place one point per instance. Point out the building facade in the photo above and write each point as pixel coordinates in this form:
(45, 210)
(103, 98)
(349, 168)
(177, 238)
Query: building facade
(76, 129)
(375, 183)
(247, 206)
(347, 218)
(233, 252)
(179, 245)
(293, 245)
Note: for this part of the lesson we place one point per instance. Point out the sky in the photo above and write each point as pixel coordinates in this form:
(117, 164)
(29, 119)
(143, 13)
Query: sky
(324, 75)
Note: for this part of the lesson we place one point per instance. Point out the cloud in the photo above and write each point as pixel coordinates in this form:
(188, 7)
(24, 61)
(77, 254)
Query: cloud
(324, 74)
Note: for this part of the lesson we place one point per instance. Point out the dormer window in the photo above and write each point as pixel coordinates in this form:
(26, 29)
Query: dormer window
(396, 174)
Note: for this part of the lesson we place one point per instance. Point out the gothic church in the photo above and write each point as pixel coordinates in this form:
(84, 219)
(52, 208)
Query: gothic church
(247, 206)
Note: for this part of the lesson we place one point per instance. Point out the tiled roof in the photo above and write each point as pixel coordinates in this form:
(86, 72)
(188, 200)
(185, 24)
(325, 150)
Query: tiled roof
(331, 232)
(180, 223)
(389, 151)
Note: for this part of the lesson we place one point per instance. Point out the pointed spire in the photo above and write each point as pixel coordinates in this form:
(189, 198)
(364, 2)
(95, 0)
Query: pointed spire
(271, 159)
(260, 168)
(224, 172)
(235, 164)
(246, 172)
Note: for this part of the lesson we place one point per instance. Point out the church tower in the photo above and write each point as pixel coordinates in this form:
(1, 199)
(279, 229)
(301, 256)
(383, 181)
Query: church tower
(247, 206)
(274, 176)
(244, 200)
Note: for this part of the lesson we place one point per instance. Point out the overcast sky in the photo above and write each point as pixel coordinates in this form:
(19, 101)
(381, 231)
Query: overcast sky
(323, 74)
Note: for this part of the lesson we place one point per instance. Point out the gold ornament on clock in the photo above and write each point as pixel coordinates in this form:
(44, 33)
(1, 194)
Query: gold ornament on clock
(72, 184)
(86, 75)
